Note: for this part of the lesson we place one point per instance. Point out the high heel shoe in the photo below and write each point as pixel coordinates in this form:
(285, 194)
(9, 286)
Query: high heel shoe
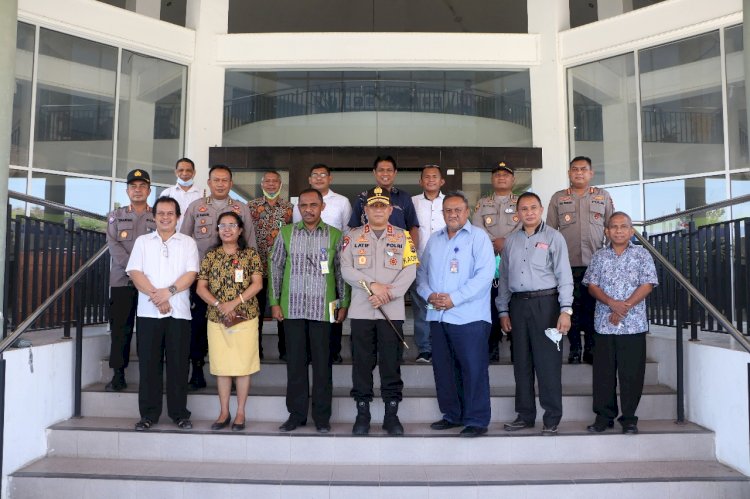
(238, 426)
(220, 425)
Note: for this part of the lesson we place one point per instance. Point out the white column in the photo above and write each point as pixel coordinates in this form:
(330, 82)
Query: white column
(205, 95)
(548, 98)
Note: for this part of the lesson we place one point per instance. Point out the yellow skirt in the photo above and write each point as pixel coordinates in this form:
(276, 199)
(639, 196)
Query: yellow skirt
(233, 351)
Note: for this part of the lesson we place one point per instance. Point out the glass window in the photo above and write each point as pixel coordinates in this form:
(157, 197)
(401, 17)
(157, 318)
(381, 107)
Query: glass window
(478, 184)
(74, 104)
(17, 182)
(84, 193)
(437, 16)
(666, 198)
(627, 198)
(394, 108)
(602, 108)
(21, 124)
(682, 119)
(736, 108)
(150, 128)
(589, 11)
(740, 185)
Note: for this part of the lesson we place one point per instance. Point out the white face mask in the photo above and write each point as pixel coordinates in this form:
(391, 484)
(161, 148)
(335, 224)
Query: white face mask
(554, 335)
(184, 183)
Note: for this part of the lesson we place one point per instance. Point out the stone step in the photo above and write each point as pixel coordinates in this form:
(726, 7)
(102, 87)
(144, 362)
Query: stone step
(417, 375)
(419, 404)
(76, 478)
(262, 442)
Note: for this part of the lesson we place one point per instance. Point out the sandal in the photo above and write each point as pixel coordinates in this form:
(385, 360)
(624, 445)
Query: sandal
(184, 424)
(143, 424)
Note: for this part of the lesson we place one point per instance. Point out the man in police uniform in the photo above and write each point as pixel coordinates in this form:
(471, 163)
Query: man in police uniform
(384, 257)
(125, 225)
(580, 213)
(496, 214)
(199, 221)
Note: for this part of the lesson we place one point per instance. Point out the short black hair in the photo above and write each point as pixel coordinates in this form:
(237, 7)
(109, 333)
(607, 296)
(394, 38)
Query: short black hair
(220, 167)
(581, 158)
(457, 194)
(318, 166)
(437, 167)
(310, 191)
(184, 160)
(167, 199)
(528, 194)
(388, 158)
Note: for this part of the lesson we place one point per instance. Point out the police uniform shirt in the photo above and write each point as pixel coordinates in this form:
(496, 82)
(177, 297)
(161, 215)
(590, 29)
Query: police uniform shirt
(124, 226)
(201, 217)
(534, 263)
(581, 221)
(404, 215)
(497, 215)
(388, 259)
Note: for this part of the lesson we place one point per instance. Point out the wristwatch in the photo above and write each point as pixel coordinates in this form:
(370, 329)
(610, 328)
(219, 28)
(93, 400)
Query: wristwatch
(172, 289)
(567, 310)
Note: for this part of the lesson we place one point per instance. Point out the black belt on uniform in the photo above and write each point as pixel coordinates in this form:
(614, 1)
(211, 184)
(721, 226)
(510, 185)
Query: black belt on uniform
(525, 295)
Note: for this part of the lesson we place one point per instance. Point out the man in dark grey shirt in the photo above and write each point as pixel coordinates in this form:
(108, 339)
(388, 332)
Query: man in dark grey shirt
(536, 293)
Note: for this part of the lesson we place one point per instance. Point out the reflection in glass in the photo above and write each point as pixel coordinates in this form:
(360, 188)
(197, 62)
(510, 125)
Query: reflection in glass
(627, 198)
(21, 120)
(356, 108)
(478, 184)
(682, 119)
(17, 182)
(666, 198)
(602, 109)
(150, 130)
(736, 106)
(74, 104)
(83, 193)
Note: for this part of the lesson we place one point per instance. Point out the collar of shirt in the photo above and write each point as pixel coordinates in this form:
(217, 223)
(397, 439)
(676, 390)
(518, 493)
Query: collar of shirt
(193, 188)
(536, 231)
(468, 227)
(439, 196)
(612, 250)
(301, 225)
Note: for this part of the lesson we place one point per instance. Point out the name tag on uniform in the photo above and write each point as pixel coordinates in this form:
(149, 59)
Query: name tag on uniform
(454, 266)
(543, 246)
(324, 267)
(239, 275)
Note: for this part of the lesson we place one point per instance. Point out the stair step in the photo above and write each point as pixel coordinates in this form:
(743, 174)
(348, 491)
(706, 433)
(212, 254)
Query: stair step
(273, 373)
(63, 478)
(262, 442)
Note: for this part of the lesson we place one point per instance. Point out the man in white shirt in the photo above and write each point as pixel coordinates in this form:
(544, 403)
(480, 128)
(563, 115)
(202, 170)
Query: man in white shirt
(184, 191)
(429, 208)
(336, 213)
(163, 265)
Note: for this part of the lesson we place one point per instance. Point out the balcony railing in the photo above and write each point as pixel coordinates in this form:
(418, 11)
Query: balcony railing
(376, 95)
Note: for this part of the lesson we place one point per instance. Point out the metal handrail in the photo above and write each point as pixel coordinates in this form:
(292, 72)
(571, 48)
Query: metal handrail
(22, 327)
(698, 209)
(57, 206)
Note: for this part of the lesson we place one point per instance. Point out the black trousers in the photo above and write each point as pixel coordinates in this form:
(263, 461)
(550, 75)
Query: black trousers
(299, 334)
(163, 341)
(262, 302)
(535, 354)
(374, 342)
(123, 303)
(337, 331)
(496, 333)
(583, 313)
(198, 332)
(620, 356)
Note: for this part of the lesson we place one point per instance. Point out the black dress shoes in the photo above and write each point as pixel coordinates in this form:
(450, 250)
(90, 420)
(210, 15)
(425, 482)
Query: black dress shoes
(238, 426)
(220, 425)
(599, 427)
(630, 429)
(444, 424)
(518, 424)
(472, 431)
(291, 424)
(323, 428)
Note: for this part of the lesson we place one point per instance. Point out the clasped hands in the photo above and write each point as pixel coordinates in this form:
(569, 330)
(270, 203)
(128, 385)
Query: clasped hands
(620, 309)
(381, 294)
(441, 301)
(160, 298)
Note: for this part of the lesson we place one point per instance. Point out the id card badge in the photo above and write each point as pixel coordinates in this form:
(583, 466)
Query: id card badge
(454, 266)
(239, 275)
(324, 267)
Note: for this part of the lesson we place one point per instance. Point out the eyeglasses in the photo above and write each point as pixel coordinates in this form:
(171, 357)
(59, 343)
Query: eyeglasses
(228, 226)
(319, 175)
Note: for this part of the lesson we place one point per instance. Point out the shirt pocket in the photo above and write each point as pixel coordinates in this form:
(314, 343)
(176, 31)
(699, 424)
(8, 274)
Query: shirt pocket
(597, 212)
(489, 216)
(394, 261)
(362, 258)
(539, 258)
(202, 227)
(125, 230)
(567, 214)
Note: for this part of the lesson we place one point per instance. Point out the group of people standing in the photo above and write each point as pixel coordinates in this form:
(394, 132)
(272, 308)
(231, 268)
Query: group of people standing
(472, 280)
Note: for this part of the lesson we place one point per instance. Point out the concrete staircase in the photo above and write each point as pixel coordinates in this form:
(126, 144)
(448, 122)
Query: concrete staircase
(101, 456)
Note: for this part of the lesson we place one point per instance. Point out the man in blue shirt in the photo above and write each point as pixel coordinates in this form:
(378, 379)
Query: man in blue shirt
(455, 279)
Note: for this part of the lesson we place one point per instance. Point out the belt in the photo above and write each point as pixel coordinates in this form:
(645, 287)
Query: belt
(525, 295)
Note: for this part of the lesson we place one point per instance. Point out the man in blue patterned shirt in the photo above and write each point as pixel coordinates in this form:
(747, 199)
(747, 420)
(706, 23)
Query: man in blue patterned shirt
(619, 277)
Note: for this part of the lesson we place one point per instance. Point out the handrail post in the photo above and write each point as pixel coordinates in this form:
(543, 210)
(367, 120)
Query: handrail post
(694, 274)
(79, 304)
(2, 417)
(68, 311)
(679, 358)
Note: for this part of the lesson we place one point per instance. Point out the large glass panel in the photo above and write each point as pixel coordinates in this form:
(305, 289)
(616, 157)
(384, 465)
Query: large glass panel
(589, 11)
(736, 105)
(74, 104)
(17, 182)
(740, 185)
(666, 198)
(21, 125)
(602, 108)
(627, 198)
(478, 184)
(437, 16)
(150, 124)
(682, 107)
(83, 193)
(363, 108)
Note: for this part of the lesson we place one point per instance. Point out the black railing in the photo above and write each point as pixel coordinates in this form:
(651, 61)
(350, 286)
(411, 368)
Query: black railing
(40, 256)
(377, 95)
